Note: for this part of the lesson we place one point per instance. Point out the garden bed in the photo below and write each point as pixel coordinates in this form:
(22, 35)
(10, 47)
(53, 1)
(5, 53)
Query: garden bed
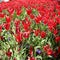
(30, 30)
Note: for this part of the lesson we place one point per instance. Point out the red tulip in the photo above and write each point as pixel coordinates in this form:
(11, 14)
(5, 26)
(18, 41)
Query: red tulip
(55, 54)
(37, 32)
(18, 12)
(17, 23)
(8, 19)
(49, 52)
(31, 16)
(43, 34)
(45, 20)
(57, 39)
(29, 11)
(46, 47)
(26, 24)
(14, 59)
(18, 37)
(26, 34)
(17, 30)
(0, 28)
(2, 15)
(9, 53)
(7, 26)
(51, 28)
(55, 32)
(10, 10)
(38, 19)
(32, 58)
(52, 23)
(58, 20)
(31, 51)
(59, 50)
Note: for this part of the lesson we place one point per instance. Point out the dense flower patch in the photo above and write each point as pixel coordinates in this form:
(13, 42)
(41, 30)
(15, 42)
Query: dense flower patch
(30, 30)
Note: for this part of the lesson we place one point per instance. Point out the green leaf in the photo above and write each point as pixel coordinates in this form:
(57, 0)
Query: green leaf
(39, 57)
(35, 12)
(14, 15)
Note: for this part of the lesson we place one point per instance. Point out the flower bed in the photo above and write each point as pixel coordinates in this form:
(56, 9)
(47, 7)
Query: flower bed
(30, 30)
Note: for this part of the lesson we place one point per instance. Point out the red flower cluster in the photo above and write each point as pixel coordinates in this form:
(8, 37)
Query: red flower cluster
(48, 50)
(26, 24)
(48, 13)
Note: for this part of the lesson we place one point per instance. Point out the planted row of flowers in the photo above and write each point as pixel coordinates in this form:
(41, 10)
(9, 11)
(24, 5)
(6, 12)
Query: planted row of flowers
(30, 30)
